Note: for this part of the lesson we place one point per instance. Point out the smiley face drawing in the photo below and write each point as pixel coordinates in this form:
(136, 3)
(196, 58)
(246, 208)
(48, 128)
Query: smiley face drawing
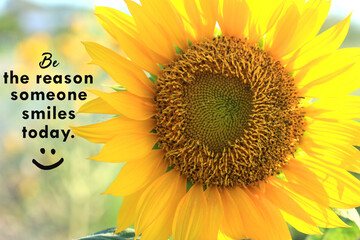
(48, 167)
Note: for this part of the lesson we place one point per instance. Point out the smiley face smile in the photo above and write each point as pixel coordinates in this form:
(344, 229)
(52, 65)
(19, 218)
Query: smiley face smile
(48, 167)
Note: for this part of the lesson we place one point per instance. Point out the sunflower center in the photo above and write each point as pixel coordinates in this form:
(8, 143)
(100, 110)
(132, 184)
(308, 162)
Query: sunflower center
(227, 113)
(218, 108)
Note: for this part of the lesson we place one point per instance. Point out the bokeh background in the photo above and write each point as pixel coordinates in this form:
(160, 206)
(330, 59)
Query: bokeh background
(65, 203)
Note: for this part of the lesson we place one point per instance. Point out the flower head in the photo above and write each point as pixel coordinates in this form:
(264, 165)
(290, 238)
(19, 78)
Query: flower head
(219, 127)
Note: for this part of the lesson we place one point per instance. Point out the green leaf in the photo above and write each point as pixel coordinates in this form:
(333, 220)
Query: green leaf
(314, 237)
(261, 43)
(189, 184)
(351, 214)
(178, 50)
(117, 88)
(343, 233)
(108, 234)
(351, 233)
(189, 43)
(152, 78)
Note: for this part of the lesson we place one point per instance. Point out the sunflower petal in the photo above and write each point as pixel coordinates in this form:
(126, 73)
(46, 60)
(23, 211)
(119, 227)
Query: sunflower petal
(332, 76)
(105, 131)
(128, 104)
(188, 25)
(278, 43)
(210, 14)
(151, 33)
(332, 152)
(232, 224)
(231, 22)
(264, 15)
(98, 105)
(190, 215)
(123, 71)
(299, 24)
(297, 174)
(135, 175)
(160, 229)
(341, 186)
(322, 45)
(164, 13)
(126, 214)
(321, 215)
(127, 147)
(122, 28)
(342, 107)
(193, 14)
(251, 215)
(214, 216)
(156, 197)
(272, 218)
(341, 132)
(292, 212)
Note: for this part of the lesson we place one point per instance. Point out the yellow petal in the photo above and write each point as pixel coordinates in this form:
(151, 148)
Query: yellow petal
(193, 14)
(321, 215)
(306, 193)
(127, 147)
(305, 181)
(123, 29)
(156, 197)
(202, 14)
(128, 104)
(151, 33)
(264, 15)
(210, 12)
(98, 105)
(190, 215)
(305, 27)
(215, 214)
(341, 186)
(165, 14)
(271, 215)
(117, 20)
(292, 212)
(345, 132)
(188, 25)
(105, 131)
(278, 43)
(251, 215)
(222, 236)
(126, 214)
(312, 18)
(341, 107)
(332, 76)
(123, 71)
(232, 224)
(135, 175)
(322, 45)
(231, 22)
(161, 228)
(336, 153)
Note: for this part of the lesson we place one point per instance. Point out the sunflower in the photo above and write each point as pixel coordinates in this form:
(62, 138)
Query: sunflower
(233, 117)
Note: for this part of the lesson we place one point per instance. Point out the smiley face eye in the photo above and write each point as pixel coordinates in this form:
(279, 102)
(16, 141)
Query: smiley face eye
(42, 150)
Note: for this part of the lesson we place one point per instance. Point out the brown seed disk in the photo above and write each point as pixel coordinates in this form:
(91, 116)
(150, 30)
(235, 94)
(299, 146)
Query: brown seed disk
(227, 113)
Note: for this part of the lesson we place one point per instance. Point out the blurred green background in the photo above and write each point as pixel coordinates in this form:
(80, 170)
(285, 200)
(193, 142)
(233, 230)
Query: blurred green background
(65, 203)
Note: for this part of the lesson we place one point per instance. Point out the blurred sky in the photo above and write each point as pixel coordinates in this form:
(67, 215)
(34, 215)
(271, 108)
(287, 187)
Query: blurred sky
(339, 7)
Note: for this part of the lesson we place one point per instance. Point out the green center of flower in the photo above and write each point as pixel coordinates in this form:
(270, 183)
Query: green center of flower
(218, 108)
(227, 113)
